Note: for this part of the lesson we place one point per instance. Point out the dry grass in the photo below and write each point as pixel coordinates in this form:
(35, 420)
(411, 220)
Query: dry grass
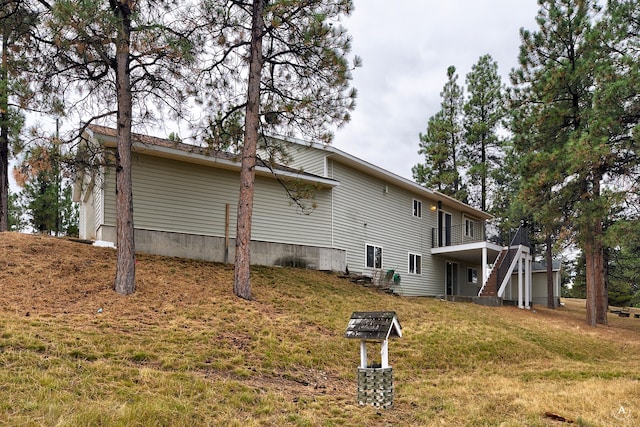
(183, 351)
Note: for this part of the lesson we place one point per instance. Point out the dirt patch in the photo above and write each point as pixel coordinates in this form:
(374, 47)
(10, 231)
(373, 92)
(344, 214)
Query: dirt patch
(47, 276)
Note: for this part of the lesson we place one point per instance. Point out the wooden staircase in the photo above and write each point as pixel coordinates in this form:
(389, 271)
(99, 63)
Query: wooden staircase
(490, 289)
(500, 267)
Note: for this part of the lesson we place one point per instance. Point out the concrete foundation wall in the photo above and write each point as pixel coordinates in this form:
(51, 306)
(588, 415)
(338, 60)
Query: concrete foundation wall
(211, 248)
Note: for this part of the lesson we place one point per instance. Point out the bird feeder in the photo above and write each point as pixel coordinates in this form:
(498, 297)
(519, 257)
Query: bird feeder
(375, 380)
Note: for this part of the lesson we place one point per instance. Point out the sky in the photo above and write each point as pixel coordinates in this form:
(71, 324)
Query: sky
(406, 47)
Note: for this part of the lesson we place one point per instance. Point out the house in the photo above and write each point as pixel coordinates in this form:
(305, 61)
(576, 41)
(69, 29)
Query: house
(365, 219)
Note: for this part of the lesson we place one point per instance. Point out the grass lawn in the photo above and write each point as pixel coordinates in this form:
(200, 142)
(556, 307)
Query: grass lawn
(183, 351)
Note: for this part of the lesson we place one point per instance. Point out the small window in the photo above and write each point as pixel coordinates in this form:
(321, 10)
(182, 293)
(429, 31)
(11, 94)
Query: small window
(374, 256)
(469, 228)
(472, 274)
(415, 264)
(417, 208)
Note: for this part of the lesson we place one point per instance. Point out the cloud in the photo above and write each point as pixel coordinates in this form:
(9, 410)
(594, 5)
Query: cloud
(406, 47)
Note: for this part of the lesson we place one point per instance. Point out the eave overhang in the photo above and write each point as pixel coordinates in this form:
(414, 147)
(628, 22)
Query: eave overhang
(197, 155)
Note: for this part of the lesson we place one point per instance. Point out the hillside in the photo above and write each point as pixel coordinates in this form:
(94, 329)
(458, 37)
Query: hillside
(183, 351)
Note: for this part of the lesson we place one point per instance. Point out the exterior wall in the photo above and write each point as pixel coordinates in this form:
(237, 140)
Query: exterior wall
(90, 210)
(180, 210)
(370, 211)
(177, 204)
(307, 158)
(187, 198)
(462, 287)
(468, 288)
(361, 199)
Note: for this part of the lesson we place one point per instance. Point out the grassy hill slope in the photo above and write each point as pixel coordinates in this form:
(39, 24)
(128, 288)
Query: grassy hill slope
(183, 351)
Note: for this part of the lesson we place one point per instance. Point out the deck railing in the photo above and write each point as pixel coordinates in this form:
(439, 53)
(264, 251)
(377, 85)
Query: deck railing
(516, 238)
(470, 232)
(478, 231)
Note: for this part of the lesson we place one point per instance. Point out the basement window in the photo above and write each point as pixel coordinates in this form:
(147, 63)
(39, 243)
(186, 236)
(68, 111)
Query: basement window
(374, 256)
(415, 264)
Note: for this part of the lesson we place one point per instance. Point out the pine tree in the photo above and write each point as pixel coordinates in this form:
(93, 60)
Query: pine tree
(16, 213)
(553, 99)
(575, 115)
(441, 145)
(45, 198)
(483, 114)
(125, 58)
(17, 22)
(296, 83)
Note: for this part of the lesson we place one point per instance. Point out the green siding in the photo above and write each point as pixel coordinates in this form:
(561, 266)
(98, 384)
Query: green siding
(371, 211)
(187, 198)
(307, 158)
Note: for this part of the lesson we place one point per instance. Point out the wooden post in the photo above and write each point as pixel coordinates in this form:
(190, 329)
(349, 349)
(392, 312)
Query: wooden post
(226, 233)
(363, 354)
(384, 354)
(520, 290)
(527, 279)
(520, 282)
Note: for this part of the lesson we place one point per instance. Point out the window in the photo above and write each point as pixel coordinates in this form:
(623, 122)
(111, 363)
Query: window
(468, 228)
(374, 256)
(417, 208)
(472, 275)
(415, 264)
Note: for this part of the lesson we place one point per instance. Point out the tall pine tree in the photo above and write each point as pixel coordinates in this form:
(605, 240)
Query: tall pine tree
(17, 23)
(284, 65)
(121, 61)
(575, 114)
(483, 114)
(441, 145)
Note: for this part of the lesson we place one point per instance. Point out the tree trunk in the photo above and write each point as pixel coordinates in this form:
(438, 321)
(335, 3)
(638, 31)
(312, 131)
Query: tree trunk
(602, 303)
(551, 303)
(4, 140)
(241, 279)
(483, 174)
(590, 280)
(125, 268)
(601, 297)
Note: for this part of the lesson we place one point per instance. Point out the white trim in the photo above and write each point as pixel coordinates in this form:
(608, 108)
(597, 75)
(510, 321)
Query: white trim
(363, 354)
(384, 354)
(465, 247)
(366, 245)
(453, 285)
(471, 270)
(413, 208)
(415, 254)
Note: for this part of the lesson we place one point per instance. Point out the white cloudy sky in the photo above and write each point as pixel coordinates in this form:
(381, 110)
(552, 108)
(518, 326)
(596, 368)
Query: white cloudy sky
(406, 47)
